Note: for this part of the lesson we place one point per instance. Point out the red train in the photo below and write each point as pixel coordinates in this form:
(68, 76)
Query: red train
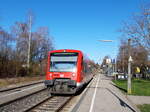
(67, 71)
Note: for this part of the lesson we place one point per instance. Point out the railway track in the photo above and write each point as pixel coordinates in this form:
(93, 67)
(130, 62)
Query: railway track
(11, 95)
(39, 101)
(60, 103)
(52, 104)
(23, 103)
(20, 86)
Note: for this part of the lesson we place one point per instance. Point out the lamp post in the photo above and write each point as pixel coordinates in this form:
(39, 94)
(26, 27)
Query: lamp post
(106, 40)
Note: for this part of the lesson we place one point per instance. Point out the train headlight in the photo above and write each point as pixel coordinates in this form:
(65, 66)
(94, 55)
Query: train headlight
(73, 74)
(74, 70)
(50, 75)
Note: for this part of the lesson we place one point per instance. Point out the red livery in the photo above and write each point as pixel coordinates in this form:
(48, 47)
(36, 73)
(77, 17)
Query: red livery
(67, 71)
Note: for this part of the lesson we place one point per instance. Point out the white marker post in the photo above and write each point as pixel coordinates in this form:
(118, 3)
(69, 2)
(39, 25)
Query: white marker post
(129, 67)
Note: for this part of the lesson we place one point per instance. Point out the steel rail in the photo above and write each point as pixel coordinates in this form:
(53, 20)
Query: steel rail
(31, 108)
(51, 104)
(20, 98)
(21, 86)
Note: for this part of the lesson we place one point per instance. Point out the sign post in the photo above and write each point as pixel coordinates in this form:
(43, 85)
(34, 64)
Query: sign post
(129, 67)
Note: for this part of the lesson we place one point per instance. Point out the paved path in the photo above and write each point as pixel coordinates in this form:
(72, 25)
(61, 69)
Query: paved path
(102, 96)
(139, 100)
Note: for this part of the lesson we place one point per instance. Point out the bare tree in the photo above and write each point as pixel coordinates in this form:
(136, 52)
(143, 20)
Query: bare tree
(138, 53)
(5, 52)
(40, 45)
(20, 32)
(138, 29)
(14, 49)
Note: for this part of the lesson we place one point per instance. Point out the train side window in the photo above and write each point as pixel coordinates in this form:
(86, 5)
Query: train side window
(82, 62)
(85, 67)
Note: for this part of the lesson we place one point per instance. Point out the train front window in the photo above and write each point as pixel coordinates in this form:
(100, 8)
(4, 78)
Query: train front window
(63, 62)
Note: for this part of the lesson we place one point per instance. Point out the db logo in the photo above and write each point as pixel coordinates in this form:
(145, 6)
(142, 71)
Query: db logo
(61, 75)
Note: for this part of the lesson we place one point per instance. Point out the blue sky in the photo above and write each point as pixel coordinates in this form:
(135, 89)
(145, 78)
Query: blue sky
(75, 24)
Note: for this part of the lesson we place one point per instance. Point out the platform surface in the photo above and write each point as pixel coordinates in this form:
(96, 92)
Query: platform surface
(103, 96)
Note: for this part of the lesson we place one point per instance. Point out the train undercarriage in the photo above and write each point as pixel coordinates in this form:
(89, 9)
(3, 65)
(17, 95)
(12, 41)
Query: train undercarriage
(61, 86)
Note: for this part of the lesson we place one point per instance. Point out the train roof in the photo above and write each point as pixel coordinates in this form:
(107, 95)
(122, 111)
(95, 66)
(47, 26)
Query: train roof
(70, 50)
(66, 50)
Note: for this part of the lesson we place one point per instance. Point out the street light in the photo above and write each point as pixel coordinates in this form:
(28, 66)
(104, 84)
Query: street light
(106, 40)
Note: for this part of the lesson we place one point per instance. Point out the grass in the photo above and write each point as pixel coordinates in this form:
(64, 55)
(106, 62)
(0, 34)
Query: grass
(144, 108)
(140, 87)
(19, 80)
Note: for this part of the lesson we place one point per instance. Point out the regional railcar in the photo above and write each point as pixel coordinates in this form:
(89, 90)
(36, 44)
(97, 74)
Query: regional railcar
(67, 71)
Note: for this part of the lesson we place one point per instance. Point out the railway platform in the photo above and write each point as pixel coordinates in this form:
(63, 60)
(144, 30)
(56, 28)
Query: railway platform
(103, 96)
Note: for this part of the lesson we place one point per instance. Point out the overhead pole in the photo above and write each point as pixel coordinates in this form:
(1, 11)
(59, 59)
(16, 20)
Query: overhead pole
(129, 67)
(29, 42)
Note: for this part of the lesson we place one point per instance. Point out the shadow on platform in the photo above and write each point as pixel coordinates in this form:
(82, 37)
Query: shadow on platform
(122, 103)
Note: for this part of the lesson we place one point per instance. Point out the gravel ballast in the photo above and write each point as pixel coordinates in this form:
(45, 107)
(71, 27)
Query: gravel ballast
(26, 102)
